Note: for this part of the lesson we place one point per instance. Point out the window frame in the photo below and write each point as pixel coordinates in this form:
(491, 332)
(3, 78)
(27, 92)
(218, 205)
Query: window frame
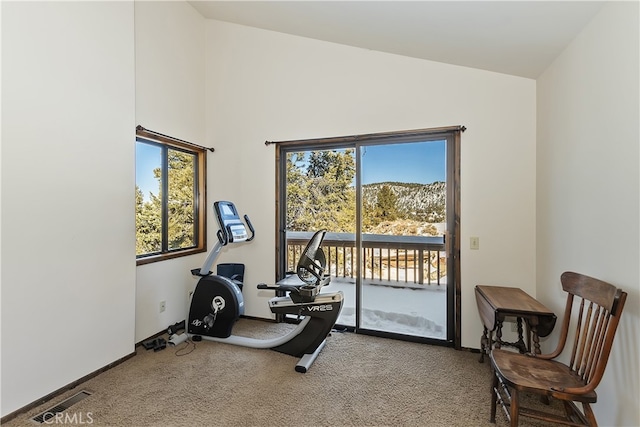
(200, 200)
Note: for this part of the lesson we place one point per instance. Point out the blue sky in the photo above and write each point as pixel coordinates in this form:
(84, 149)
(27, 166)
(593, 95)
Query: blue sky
(147, 158)
(416, 162)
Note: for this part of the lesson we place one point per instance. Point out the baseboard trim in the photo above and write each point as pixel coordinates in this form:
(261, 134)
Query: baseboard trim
(61, 390)
(262, 319)
(152, 337)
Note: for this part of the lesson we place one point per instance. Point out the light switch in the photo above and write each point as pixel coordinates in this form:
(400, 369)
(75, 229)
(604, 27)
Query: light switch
(475, 243)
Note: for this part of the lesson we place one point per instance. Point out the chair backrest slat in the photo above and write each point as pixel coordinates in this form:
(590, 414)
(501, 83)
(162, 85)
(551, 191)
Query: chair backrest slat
(587, 336)
(591, 350)
(584, 337)
(599, 343)
(576, 338)
(599, 313)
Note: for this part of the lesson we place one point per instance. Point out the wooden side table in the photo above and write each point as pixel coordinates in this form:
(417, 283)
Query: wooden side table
(495, 303)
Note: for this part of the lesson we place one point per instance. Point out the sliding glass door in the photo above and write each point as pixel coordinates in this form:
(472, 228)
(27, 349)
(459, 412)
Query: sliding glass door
(387, 206)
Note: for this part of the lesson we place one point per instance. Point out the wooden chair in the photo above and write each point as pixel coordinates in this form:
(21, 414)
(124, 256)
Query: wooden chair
(599, 307)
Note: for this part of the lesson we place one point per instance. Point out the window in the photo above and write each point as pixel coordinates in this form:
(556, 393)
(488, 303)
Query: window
(170, 197)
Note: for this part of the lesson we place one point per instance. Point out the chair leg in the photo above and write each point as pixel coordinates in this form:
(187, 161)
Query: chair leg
(515, 407)
(494, 396)
(574, 414)
(588, 413)
(570, 413)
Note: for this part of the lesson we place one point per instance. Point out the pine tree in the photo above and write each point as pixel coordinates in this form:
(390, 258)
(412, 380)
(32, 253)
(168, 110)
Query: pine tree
(148, 224)
(386, 206)
(320, 192)
(181, 196)
(180, 206)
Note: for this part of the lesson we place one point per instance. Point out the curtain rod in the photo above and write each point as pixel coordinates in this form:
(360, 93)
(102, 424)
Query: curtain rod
(425, 132)
(171, 138)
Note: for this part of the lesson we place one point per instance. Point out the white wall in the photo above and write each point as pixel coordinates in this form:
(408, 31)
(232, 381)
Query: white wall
(263, 85)
(588, 186)
(68, 233)
(170, 99)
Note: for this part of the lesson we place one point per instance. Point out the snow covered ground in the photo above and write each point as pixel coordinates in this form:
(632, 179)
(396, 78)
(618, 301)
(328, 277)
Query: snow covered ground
(418, 310)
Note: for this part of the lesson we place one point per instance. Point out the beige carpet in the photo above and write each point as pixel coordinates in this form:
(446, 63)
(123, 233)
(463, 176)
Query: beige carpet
(357, 380)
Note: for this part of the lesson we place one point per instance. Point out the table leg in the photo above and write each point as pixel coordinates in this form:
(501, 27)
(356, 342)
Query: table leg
(484, 344)
(520, 345)
(498, 333)
(536, 339)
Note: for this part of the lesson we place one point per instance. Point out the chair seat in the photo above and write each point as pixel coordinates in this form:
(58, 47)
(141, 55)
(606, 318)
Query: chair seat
(542, 376)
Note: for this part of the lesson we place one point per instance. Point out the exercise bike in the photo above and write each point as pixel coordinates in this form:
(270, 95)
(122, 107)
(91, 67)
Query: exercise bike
(217, 302)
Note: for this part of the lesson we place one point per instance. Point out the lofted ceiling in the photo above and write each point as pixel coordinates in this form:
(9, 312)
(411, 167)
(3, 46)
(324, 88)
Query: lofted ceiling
(521, 38)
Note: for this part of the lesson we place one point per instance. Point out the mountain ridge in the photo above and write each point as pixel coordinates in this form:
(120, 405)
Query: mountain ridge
(415, 201)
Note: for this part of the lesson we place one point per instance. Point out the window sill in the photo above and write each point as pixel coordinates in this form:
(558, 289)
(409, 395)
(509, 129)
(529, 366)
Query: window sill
(170, 255)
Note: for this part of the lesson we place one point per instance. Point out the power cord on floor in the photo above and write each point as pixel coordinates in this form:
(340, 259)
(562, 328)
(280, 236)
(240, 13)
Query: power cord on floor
(188, 343)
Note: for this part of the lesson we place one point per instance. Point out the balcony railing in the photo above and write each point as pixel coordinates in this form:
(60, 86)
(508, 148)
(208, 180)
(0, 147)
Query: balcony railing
(392, 260)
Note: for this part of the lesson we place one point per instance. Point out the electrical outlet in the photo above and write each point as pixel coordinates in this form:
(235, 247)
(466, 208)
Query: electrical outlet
(163, 306)
(475, 243)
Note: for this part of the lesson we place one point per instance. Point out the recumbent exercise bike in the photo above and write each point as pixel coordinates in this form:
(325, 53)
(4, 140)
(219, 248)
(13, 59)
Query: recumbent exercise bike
(217, 301)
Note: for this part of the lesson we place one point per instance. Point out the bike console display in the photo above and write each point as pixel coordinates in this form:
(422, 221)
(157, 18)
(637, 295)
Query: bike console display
(232, 229)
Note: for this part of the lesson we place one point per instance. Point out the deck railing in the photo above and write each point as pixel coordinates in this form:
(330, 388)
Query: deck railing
(388, 259)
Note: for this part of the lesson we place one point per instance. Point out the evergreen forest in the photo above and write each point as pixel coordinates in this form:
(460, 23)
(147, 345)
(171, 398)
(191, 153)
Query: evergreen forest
(320, 195)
